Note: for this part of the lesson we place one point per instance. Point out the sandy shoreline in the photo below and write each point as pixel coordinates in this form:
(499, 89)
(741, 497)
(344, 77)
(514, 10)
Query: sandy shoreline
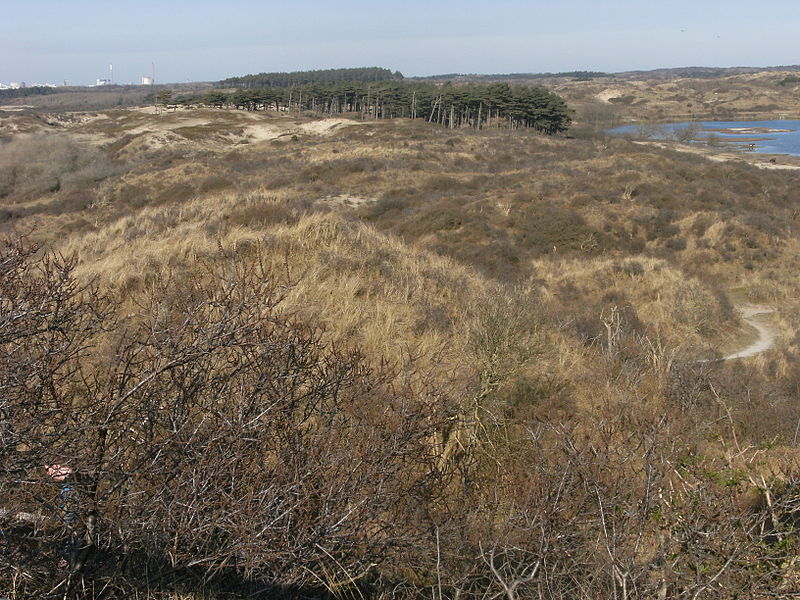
(747, 130)
(762, 161)
(14, 107)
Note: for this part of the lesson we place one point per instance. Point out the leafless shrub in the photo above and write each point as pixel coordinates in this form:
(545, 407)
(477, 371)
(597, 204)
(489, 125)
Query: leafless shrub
(207, 435)
(688, 133)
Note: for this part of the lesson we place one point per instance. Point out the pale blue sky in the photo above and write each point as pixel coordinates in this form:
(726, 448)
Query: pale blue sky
(54, 40)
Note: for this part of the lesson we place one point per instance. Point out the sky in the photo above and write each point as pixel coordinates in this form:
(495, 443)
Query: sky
(50, 41)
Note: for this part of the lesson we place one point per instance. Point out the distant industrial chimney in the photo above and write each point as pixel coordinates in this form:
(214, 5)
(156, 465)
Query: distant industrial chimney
(111, 73)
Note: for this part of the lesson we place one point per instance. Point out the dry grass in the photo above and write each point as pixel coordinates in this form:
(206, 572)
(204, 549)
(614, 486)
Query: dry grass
(504, 205)
(597, 269)
(595, 224)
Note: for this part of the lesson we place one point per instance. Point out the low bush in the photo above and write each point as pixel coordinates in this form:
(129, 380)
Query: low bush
(42, 164)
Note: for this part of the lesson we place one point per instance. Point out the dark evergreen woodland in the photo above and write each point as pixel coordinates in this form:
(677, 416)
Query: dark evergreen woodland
(473, 105)
(38, 90)
(362, 74)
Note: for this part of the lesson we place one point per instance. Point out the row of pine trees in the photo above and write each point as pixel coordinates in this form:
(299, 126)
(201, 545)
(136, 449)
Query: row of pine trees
(472, 105)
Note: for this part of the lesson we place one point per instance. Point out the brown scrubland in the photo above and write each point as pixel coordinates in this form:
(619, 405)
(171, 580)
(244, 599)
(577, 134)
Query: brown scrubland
(288, 356)
(645, 98)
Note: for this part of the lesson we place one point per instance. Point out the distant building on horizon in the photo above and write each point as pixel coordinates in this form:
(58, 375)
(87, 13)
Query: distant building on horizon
(18, 85)
(103, 82)
(147, 80)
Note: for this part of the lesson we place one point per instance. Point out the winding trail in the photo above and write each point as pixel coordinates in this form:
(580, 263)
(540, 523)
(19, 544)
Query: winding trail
(753, 314)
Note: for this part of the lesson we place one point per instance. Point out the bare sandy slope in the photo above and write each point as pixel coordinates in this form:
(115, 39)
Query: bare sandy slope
(209, 128)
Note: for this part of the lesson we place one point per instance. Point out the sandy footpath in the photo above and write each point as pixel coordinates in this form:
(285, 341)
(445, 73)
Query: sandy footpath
(754, 315)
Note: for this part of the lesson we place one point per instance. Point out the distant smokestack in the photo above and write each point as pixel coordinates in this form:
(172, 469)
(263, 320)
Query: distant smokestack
(111, 73)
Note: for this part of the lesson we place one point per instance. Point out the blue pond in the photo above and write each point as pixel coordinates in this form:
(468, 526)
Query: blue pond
(768, 137)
